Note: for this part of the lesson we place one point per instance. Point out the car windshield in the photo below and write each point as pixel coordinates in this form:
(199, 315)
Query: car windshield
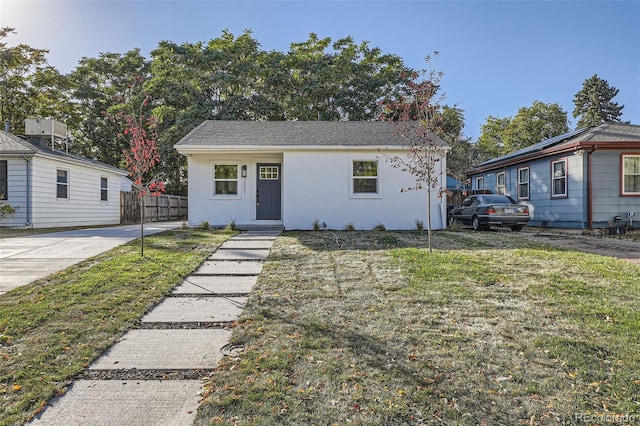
(497, 199)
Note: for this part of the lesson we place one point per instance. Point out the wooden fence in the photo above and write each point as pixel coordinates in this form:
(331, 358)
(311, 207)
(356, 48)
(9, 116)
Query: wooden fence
(156, 209)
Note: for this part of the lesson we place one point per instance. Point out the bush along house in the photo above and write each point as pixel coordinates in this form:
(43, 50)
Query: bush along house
(588, 178)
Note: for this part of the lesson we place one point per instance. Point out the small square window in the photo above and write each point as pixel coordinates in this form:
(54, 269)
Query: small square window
(269, 172)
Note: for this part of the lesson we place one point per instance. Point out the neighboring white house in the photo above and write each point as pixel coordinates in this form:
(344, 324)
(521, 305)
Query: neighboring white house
(51, 188)
(292, 173)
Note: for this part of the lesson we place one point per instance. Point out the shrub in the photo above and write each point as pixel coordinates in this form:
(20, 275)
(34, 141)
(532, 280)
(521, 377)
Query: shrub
(231, 226)
(6, 209)
(205, 225)
(419, 225)
(349, 227)
(379, 227)
(316, 224)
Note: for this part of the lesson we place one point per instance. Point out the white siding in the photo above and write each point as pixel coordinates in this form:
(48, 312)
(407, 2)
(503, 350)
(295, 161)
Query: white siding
(17, 191)
(315, 185)
(83, 206)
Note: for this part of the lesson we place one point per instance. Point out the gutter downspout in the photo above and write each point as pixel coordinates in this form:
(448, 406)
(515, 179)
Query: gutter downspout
(28, 189)
(589, 189)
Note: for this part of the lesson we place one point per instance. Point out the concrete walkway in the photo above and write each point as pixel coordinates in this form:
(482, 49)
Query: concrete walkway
(24, 260)
(153, 375)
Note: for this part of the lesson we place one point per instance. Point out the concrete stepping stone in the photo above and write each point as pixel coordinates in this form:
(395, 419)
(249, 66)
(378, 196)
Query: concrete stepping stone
(266, 235)
(205, 284)
(223, 267)
(125, 402)
(247, 244)
(239, 254)
(196, 309)
(165, 349)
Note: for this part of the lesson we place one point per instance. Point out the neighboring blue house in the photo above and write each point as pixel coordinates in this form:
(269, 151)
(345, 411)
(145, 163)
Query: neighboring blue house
(581, 179)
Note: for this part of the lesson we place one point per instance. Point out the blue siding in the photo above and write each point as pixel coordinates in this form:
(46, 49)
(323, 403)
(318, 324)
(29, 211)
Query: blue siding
(606, 177)
(568, 212)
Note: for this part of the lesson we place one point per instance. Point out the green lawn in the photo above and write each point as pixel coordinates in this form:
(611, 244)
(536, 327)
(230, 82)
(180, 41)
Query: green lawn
(359, 328)
(52, 329)
(368, 328)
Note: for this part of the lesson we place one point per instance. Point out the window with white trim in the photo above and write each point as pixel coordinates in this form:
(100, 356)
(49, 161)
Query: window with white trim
(104, 189)
(523, 183)
(225, 178)
(364, 177)
(500, 183)
(4, 180)
(62, 184)
(480, 182)
(630, 174)
(559, 178)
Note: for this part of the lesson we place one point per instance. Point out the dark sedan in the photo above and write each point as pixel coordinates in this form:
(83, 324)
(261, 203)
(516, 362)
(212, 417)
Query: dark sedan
(482, 211)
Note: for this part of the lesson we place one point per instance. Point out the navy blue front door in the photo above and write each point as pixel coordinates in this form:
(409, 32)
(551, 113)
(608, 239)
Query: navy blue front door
(268, 192)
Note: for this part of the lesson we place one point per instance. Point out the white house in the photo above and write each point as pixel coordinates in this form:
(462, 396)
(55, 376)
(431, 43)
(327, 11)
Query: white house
(294, 173)
(52, 188)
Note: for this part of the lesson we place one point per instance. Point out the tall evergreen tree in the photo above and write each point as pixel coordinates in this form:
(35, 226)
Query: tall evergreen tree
(593, 103)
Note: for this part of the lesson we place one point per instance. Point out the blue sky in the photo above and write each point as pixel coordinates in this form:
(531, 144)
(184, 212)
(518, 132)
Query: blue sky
(497, 56)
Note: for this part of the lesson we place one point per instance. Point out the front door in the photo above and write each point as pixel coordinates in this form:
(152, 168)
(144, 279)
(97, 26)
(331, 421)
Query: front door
(268, 192)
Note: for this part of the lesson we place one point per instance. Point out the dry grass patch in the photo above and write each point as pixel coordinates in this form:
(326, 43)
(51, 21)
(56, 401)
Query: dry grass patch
(368, 328)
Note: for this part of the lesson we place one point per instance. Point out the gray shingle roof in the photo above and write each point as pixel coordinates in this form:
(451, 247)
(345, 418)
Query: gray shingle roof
(606, 132)
(220, 133)
(611, 132)
(11, 144)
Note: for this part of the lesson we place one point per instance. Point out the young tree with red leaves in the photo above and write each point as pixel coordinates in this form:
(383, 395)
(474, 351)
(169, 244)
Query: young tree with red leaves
(417, 118)
(142, 155)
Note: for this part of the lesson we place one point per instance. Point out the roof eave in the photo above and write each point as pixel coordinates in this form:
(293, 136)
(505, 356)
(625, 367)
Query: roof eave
(211, 149)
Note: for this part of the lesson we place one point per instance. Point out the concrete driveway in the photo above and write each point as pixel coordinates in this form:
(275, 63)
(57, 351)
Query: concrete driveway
(26, 259)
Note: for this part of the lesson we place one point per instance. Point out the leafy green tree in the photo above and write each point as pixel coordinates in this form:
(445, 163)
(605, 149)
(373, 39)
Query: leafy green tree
(99, 85)
(594, 105)
(536, 123)
(339, 81)
(490, 143)
(540, 121)
(22, 69)
(463, 152)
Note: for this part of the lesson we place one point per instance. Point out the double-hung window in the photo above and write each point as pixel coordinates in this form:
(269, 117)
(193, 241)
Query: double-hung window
(630, 174)
(365, 178)
(4, 180)
(500, 183)
(559, 178)
(479, 183)
(523, 183)
(62, 184)
(225, 179)
(104, 189)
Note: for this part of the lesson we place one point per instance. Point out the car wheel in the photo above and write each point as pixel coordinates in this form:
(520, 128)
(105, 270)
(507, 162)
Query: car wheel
(516, 228)
(451, 221)
(475, 222)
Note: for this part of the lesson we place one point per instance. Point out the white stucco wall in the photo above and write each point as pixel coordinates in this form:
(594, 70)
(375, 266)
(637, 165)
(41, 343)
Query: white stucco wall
(318, 186)
(315, 185)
